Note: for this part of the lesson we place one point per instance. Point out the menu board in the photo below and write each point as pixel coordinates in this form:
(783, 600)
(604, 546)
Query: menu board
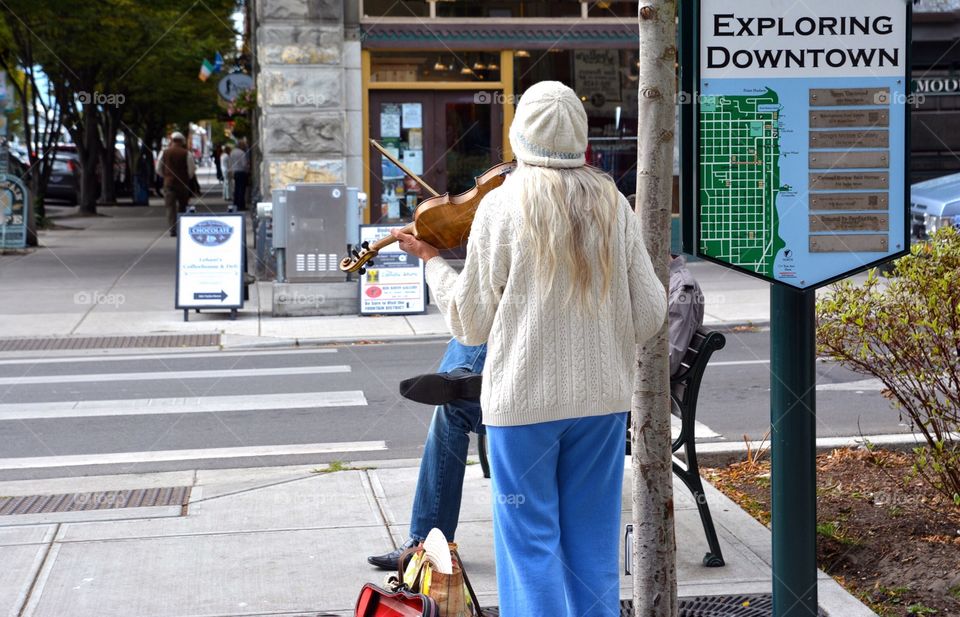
(210, 261)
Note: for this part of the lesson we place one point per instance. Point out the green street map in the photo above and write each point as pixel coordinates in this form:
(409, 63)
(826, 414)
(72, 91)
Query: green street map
(740, 179)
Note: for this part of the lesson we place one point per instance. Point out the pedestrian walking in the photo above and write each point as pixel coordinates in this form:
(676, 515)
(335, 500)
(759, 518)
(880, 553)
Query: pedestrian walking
(227, 174)
(217, 151)
(177, 167)
(558, 282)
(240, 167)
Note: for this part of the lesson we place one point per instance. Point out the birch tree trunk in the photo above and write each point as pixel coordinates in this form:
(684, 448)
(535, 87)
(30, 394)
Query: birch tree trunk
(654, 552)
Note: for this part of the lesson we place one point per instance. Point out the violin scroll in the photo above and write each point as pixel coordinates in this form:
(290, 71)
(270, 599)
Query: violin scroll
(358, 260)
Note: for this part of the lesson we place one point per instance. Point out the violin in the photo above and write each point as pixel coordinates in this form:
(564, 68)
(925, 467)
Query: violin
(442, 221)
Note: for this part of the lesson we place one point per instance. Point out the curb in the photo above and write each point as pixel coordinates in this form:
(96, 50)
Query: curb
(730, 326)
(335, 341)
(721, 454)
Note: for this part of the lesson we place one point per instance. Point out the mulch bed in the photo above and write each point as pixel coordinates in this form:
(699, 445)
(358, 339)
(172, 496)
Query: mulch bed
(887, 537)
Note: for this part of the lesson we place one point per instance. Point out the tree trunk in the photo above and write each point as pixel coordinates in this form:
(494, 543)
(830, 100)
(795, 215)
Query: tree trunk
(108, 185)
(654, 553)
(108, 154)
(89, 150)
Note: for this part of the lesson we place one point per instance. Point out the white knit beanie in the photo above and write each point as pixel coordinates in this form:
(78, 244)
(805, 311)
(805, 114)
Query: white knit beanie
(550, 127)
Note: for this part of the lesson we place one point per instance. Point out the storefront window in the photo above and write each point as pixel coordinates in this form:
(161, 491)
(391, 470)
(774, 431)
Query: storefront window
(535, 9)
(613, 8)
(435, 66)
(606, 81)
(395, 8)
(508, 8)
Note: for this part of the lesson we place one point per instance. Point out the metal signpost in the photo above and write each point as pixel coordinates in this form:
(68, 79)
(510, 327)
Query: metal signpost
(795, 124)
(210, 262)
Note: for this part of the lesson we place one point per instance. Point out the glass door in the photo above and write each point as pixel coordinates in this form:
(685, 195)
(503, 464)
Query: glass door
(403, 123)
(446, 138)
(471, 138)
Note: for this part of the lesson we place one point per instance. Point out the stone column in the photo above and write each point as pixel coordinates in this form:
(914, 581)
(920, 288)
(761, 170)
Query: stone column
(302, 95)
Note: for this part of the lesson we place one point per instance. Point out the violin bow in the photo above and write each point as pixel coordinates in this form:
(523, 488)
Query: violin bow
(403, 167)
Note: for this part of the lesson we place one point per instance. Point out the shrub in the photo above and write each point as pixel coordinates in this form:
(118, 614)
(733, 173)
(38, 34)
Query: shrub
(904, 329)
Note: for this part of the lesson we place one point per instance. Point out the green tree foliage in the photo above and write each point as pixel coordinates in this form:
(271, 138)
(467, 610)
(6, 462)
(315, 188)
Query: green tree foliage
(904, 329)
(126, 65)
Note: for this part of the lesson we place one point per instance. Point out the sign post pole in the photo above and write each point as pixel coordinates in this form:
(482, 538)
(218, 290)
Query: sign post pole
(798, 145)
(793, 451)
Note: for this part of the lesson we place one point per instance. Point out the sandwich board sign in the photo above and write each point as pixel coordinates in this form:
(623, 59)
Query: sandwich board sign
(799, 129)
(395, 284)
(14, 212)
(210, 262)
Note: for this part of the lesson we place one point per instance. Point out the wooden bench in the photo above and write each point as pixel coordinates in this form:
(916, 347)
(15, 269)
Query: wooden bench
(684, 390)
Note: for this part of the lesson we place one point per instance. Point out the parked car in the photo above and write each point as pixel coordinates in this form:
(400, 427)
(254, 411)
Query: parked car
(65, 177)
(934, 204)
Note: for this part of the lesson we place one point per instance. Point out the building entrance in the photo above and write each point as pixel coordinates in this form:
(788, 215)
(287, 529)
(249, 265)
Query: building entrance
(445, 137)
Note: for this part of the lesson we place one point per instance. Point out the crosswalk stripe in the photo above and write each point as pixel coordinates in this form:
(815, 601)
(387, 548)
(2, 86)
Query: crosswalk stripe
(160, 456)
(700, 430)
(164, 356)
(199, 404)
(170, 375)
(874, 385)
(738, 362)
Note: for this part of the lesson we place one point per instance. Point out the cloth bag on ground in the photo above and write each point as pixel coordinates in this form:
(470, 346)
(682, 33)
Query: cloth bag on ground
(438, 573)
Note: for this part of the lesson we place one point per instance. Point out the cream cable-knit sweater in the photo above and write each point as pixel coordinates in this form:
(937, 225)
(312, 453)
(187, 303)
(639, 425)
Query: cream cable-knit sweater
(546, 361)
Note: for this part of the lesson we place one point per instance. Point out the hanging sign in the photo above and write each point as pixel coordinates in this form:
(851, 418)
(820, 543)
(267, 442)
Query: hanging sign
(801, 136)
(597, 75)
(231, 85)
(210, 261)
(395, 284)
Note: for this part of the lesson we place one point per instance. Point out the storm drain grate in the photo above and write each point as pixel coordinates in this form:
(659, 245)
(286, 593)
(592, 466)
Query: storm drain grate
(59, 343)
(754, 605)
(101, 500)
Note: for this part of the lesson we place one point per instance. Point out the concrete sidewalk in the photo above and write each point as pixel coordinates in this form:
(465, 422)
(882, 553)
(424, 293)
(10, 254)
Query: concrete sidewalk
(289, 541)
(115, 274)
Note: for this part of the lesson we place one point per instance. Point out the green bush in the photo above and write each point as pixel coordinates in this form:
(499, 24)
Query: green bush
(904, 329)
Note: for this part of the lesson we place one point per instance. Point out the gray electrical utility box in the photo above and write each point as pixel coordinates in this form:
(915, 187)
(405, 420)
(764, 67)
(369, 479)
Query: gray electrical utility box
(316, 231)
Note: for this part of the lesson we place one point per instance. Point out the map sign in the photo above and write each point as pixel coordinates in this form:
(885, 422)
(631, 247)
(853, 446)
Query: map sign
(801, 124)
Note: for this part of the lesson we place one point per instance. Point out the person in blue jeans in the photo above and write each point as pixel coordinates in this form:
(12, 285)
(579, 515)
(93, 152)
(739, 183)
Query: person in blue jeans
(455, 390)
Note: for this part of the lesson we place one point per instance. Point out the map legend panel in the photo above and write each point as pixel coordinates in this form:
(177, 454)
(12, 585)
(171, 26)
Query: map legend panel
(800, 125)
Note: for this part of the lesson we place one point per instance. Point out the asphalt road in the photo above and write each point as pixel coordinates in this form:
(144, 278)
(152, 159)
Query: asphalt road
(95, 414)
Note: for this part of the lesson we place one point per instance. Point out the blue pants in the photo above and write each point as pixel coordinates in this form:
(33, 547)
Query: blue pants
(436, 502)
(556, 516)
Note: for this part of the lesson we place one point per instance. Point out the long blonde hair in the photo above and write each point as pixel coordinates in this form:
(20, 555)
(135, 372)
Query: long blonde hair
(568, 220)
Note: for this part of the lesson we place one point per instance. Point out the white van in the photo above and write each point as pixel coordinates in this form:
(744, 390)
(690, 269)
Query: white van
(933, 204)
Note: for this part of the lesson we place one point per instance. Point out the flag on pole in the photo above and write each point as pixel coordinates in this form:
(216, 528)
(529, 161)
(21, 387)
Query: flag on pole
(205, 70)
(217, 63)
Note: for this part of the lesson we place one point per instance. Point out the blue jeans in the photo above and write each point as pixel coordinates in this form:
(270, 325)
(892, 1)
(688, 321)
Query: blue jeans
(436, 502)
(556, 516)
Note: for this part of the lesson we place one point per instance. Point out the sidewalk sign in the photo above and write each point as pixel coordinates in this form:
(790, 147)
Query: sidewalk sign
(395, 284)
(795, 134)
(14, 212)
(210, 268)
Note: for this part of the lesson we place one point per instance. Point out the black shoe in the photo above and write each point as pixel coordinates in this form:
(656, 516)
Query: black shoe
(389, 560)
(440, 388)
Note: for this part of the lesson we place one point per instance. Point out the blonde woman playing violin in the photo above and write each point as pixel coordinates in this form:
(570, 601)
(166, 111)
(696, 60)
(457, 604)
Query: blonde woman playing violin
(558, 283)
